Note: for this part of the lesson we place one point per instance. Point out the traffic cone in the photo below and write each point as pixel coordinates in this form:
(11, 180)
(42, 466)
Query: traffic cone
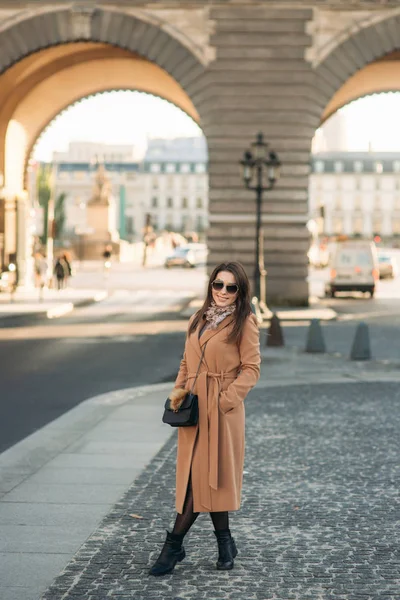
(361, 348)
(275, 334)
(315, 339)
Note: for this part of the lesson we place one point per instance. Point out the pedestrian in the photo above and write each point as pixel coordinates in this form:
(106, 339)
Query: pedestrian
(40, 268)
(107, 260)
(67, 268)
(59, 272)
(222, 344)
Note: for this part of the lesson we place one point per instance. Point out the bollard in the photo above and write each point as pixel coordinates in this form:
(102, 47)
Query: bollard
(361, 348)
(315, 338)
(275, 334)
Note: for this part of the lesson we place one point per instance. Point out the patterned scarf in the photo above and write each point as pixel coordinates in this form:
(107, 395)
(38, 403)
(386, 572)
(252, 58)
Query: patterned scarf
(215, 314)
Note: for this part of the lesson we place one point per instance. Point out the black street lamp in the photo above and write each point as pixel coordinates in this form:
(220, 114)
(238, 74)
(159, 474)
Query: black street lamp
(260, 172)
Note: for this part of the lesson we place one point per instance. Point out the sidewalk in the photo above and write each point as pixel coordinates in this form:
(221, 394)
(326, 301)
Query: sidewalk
(26, 306)
(318, 518)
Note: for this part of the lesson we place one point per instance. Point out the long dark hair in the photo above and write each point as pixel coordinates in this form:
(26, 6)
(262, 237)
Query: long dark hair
(243, 306)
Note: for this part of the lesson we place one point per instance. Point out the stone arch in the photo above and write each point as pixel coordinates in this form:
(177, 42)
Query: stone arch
(94, 92)
(370, 46)
(27, 41)
(61, 25)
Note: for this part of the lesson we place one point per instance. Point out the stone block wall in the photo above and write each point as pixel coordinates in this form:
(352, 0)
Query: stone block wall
(260, 81)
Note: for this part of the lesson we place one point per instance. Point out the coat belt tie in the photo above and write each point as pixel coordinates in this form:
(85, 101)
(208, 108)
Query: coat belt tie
(208, 388)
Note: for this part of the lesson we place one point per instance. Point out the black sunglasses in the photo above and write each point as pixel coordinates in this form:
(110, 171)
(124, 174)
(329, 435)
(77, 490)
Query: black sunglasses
(231, 288)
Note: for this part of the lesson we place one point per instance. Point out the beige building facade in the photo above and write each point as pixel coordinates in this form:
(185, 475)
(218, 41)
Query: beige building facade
(357, 193)
(170, 184)
(235, 67)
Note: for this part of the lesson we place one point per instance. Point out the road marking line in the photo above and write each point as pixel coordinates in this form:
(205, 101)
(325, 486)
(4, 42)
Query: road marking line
(59, 311)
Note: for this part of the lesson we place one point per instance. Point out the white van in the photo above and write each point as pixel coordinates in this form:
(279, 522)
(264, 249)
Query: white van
(354, 268)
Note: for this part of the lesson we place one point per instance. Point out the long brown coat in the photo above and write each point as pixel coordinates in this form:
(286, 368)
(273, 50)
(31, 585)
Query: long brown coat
(213, 450)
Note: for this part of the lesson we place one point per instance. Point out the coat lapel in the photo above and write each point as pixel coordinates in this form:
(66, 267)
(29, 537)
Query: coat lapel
(209, 333)
(195, 342)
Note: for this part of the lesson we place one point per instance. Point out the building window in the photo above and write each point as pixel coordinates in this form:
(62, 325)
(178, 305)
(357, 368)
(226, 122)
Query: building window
(169, 203)
(154, 202)
(199, 203)
(170, 168)
(358, 225)
(379, 167)
(377, 224)
(200, 224)
(185, 168)
(319, 166)
(184, 202)
(200, 168)
(338, 166)
(358, 166)
(155, 168)
(396, 166)
(338, 225)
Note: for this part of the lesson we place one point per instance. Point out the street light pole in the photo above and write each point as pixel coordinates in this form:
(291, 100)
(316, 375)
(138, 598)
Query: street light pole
(50, 223)
(254, 164)
(257, 270)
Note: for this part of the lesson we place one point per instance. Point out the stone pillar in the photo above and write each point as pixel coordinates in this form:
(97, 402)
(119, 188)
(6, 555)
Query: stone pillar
(260, 81)
(24, 243)
(2, 233)
(18, 238)
(10, 227)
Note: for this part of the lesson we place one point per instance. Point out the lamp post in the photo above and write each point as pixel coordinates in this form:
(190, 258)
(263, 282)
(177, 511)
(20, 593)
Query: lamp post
(51, 223)
(260, 172)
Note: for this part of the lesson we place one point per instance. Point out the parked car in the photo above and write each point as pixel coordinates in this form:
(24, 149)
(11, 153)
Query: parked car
(387, 266)
(190, 256)
(354, 267)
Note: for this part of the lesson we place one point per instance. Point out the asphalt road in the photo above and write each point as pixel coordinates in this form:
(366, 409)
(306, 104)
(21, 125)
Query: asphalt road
(381, 314)
(96, 350)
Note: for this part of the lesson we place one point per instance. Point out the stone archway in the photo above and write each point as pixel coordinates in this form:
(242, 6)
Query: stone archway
(55, 78)
(365, 63)
(57, 57)
(53, 58)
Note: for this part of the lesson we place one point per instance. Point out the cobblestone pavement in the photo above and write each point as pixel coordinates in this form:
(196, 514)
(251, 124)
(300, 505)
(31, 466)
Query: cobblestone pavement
(318, 519)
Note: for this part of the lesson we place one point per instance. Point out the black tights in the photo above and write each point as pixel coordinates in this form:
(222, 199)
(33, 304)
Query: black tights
(184, 521)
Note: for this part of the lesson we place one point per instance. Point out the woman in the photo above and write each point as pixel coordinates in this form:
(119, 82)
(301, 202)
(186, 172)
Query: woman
(210, 456)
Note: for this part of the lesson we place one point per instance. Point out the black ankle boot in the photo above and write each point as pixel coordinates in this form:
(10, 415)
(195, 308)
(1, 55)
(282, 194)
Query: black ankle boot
(172, 552)
(227, 550)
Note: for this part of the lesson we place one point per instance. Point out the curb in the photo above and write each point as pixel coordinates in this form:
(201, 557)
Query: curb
(26, 319)
(285, 314)
(302, 314)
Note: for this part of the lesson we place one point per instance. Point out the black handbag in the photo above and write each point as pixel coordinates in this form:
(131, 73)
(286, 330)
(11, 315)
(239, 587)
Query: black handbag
(187, 414)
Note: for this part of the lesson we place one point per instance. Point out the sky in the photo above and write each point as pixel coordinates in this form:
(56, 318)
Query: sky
(126, 117)
(120, 117)
(374, 119)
